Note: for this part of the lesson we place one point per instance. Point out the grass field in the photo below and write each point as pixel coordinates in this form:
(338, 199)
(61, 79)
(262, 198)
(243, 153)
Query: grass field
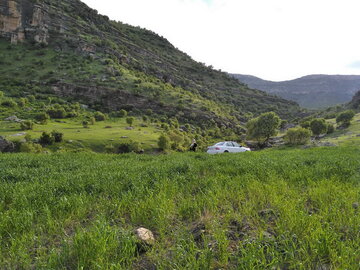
(275, 209)
(95, 138)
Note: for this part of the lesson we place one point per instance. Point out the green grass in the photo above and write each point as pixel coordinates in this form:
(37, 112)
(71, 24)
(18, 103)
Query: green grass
(282, 209)
(95, 138)
(348, 136)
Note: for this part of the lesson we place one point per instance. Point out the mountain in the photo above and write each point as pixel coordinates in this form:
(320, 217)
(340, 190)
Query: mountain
(355, 102)
(66, 49)
(313, 91)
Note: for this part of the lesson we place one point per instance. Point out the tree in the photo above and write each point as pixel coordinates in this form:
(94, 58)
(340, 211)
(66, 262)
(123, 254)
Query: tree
(99, 116)
(42, 118)
(46, 139)
(122, 113)
(58, 136)
(85, 124)
(164, 142)
(297, 136)
(330, 128)
(318, 126)
(263, 127)
(130, 121)
(27, 125)
(345, 117)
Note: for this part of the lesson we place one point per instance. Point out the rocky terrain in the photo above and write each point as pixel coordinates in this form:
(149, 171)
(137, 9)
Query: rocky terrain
(67, 49)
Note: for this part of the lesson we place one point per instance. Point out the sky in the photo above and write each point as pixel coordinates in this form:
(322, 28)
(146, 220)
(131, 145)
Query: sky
(271, 39)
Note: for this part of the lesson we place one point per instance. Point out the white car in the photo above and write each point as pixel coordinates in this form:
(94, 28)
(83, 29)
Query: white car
(226, 147)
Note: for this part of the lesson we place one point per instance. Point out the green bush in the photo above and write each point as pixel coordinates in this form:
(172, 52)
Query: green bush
(27, 125)
(99, 116)
(263, 127)
(297, 136)
(164, 142)
(42, 118)
(29, 147)
(123, 113)
(9, 103)
(46, 139)
(330, 128)
(318, 126)
(130, 121)
(58, 136)
(128, 147)
(344, 118)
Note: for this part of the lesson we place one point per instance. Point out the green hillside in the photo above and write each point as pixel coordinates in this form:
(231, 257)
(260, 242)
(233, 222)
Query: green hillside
(284, 209)
(71, 51)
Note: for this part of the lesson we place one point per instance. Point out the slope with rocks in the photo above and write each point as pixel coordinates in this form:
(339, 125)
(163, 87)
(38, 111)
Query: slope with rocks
(67, 49)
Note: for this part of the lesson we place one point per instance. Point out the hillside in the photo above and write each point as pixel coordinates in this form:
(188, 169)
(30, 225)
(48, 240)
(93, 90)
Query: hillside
(66, 49)
(313, 91)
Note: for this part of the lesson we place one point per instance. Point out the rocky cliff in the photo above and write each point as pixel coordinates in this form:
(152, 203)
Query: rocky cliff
(72, 51)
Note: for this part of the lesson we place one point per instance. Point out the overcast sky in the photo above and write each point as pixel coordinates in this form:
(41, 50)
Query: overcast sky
(271, 39)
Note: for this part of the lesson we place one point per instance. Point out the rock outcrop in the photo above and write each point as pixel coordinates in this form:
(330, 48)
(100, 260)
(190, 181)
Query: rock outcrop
(23, 19)
(6, 146)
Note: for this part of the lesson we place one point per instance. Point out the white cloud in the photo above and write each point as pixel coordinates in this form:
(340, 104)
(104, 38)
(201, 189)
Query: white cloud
(273, 39)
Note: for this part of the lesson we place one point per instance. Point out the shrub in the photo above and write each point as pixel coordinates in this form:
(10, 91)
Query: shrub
(92, 120)
(297, 136)
(123, 113)
(22, 102)
(57, 112)
(30, 147)
(9, 103)
(164, 142)
(99, 116)
(330, 128)
(85, 124)
(27, 125)
(345, 117)
(42, 118)
(46, 139)
(58, 136)
(130, 121)
(128, 147)
(318, 126)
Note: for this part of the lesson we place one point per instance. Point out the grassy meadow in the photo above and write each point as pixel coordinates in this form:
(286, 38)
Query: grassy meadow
(95, 138)
(275, 209)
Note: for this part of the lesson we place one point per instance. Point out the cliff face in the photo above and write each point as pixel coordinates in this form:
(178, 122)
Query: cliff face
(22, 19)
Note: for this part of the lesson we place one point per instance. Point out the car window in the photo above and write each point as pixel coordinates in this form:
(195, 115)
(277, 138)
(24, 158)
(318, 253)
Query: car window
(229, 144)
(236, 144)
(220, 143)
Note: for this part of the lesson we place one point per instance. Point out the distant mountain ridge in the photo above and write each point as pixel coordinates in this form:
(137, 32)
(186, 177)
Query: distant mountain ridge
(312, 91)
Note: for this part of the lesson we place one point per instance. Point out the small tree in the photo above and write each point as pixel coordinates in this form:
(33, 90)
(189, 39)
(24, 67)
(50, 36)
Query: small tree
(130, 121)
(318, 126)
(27, 125)
(46, 139)
(85, 124)
(58, 136)
(297, 136)
(122, 113)
(330, 128)
(344, 118)
(263, 127)
(99, 116)
(42, 118)
(164, 142)
(92, 120)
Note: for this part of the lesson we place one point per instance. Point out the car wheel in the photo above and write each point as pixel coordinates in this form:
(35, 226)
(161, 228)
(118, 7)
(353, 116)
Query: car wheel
(226, 151)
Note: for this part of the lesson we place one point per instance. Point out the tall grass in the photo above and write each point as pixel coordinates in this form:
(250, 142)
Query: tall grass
(285, 209)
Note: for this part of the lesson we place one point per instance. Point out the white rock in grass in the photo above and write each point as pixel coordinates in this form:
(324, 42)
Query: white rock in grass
(145, 236)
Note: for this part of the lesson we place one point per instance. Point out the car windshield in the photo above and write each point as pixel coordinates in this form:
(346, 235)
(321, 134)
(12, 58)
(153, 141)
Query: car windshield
(220, 143)
(236, 144)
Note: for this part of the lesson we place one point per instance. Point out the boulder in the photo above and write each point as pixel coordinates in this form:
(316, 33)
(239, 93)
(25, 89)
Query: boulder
(6, 146)
(145, 236)
(13, 118)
